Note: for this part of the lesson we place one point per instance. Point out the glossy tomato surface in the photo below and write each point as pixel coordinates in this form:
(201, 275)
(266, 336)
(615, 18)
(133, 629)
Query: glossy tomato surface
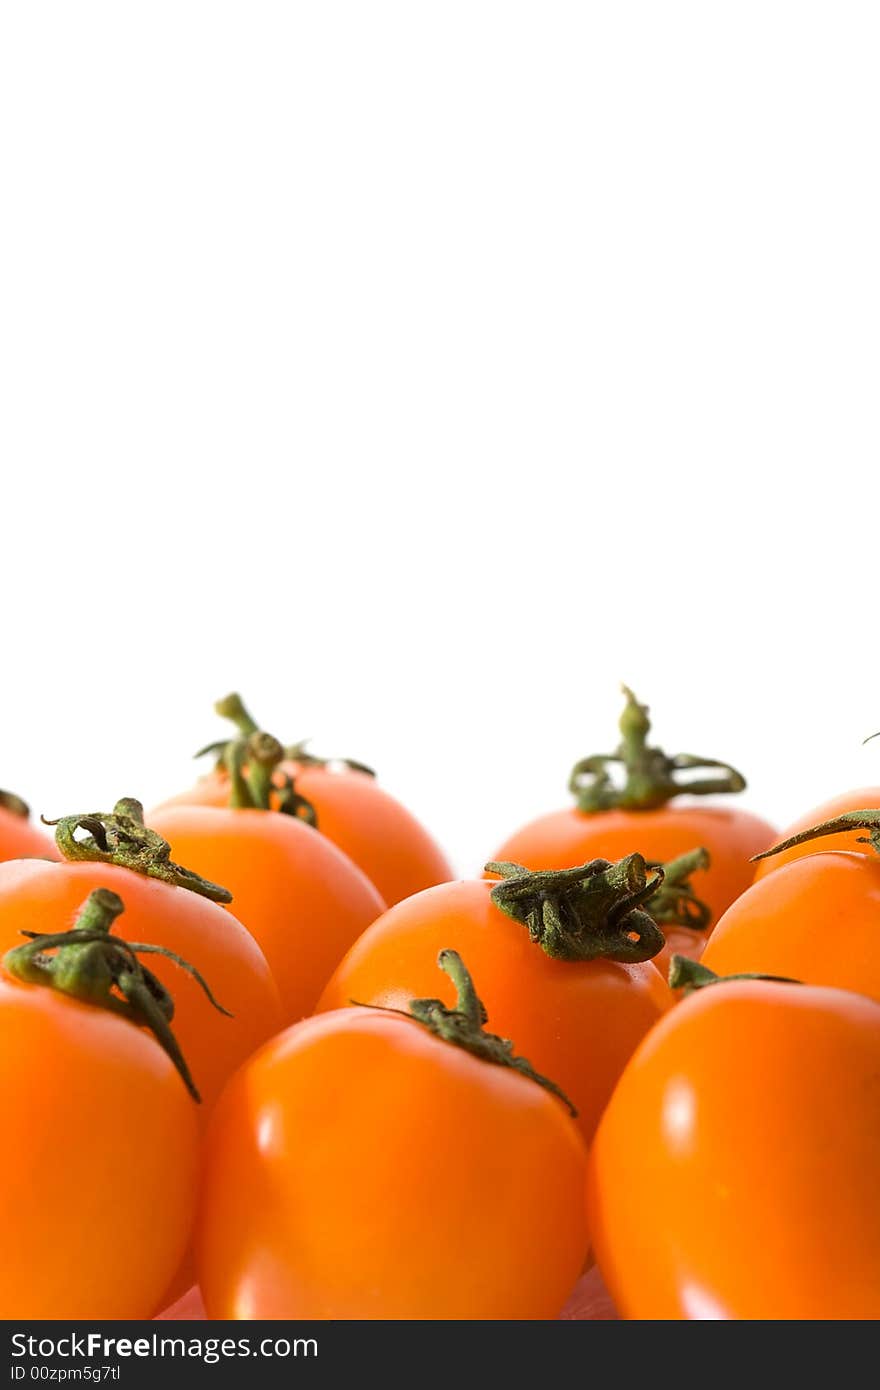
(358, 1167)
(734, 1173)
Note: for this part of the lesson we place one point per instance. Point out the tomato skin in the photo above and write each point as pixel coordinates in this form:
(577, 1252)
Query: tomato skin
(47, 897)
(20, 839)
(576, 1021)
(100, 1161)
(732, 836)
(358, 1167)
(299, 896)
(816, 920)
(751, 1109)
(862, 799)
(376, 831)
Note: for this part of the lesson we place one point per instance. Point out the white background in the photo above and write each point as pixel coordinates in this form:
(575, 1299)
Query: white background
(426, 369)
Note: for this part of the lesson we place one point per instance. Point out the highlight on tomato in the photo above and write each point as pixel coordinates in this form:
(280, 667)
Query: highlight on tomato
(301, 898)
(747, 1109)
(817, 918)
(19, 837)
(101, 1144)
(373, 1164)
(347, 805)
(642, 814)
(563, 960)
(168, 907)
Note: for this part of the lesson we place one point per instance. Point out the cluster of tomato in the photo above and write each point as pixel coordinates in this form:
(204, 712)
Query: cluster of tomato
(299, 1107)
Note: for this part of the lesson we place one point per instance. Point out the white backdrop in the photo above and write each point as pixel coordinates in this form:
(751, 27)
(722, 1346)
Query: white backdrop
(423, 371)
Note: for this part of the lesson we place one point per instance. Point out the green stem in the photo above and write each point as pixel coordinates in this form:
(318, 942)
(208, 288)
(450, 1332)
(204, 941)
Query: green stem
(298, 753)
(98, 969)
(14, 804)
(690, 975)
(464, 1025)
(593, 910)
(675, 904)
(850, 820)
(251, 761)
(650, 775)
(121, 838)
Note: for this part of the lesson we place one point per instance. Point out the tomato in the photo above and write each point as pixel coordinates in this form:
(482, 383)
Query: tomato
(382, 837)
(101, 1160)
(609, 823)
(817, 919)
(300, 897)
(45, 897)
(577, 1020)
(854, 839)
(361, 1166)
(750, 1111)
(19, 839)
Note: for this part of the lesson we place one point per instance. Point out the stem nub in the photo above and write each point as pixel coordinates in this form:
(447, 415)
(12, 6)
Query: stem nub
(464, 1025)
(89, 964)
(688, 975)
(675, 904)
(850, 820)
(591, 911)
(14, 804)
(650, 775)
(252, 761)
(121, 837)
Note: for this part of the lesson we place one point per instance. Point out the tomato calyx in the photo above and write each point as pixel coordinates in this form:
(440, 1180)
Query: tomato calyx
(593, 910)
(96, 968)
(14, 804)
(689, 975)
(251, 763)
(651, 776)
(850, 820)
(675, 904)
(120, 837)
(464, 1025)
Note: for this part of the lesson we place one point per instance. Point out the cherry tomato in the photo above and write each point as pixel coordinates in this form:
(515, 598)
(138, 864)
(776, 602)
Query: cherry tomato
(300, 897)
(19, 838)
(576, 1020)
(361, 1167)
(733, 1175)
(100, 1161)
(611, 822)
(379, 834)
(816, 920)
(863, 798)
(45, 897)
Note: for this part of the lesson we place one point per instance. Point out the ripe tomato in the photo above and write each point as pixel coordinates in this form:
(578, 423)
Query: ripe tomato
(609, 823)
(752, 1108)
(816, 920)
(300, 897)
(45, 897)
(382, 837)
(360, 1166)
(101, 1160)
(854, 839)
(19, 839)
(577, 1020)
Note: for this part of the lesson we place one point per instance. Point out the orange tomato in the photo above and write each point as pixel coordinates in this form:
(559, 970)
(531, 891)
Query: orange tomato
(46, 897)
(100, 1161)
(576, 1020)
(19, 839)
(360, 1167)
(817, 919)
(864, 797)
(751, 1109)
(608, 822)
(382, 837)
(300, 897)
